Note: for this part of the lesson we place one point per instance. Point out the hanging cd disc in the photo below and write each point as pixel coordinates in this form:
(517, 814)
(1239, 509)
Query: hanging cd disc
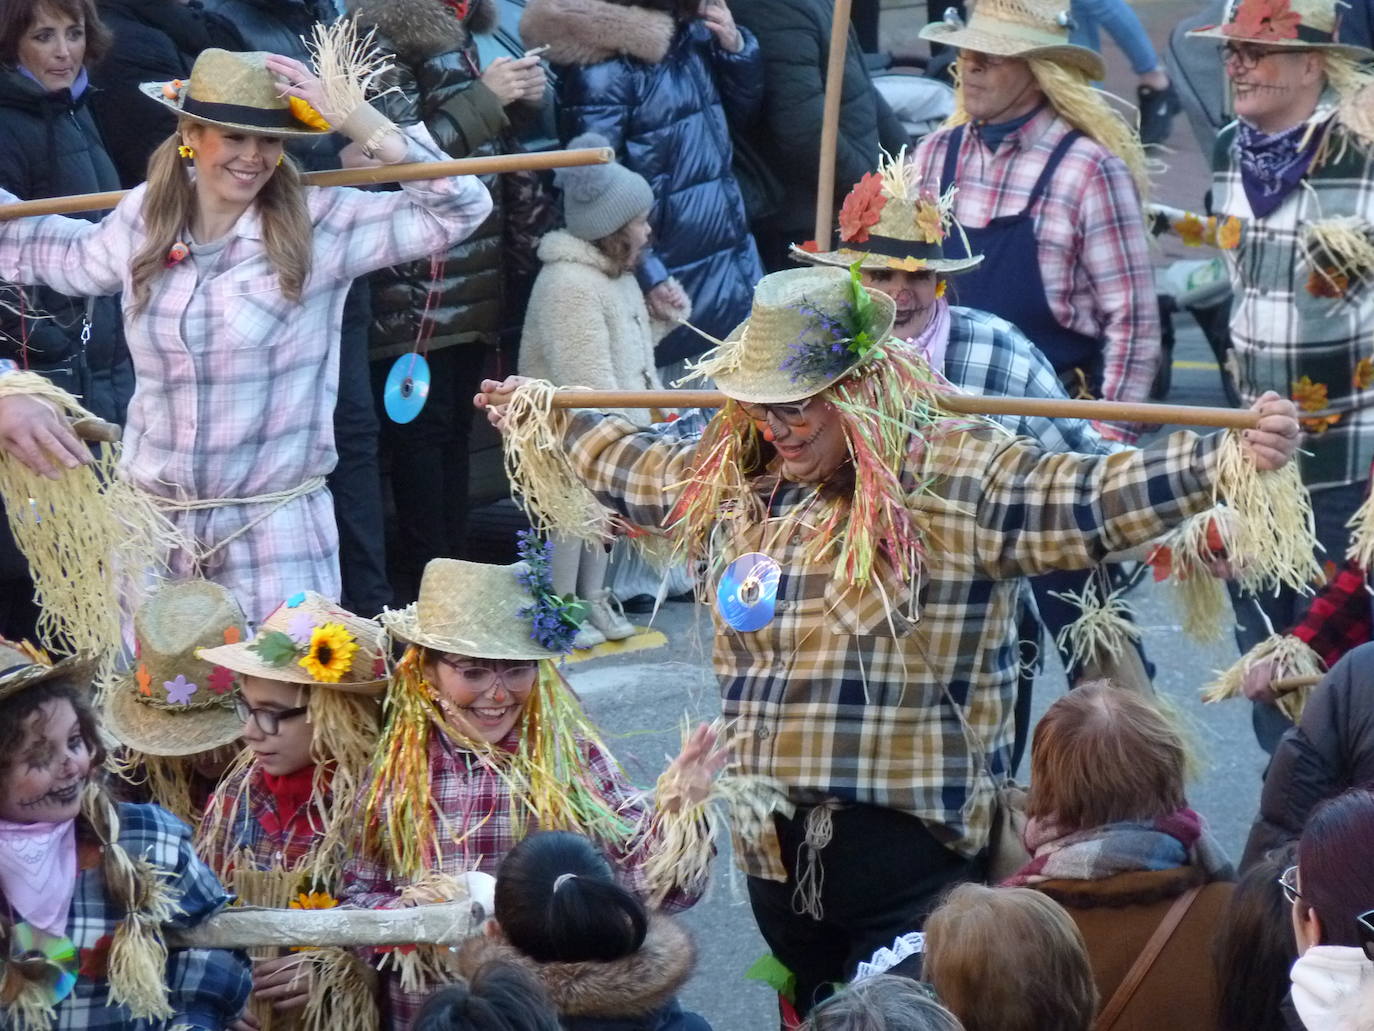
(747, 595)
(407, 387)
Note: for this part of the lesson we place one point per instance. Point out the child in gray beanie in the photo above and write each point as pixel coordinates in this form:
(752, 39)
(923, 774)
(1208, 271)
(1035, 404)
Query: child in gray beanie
(587, 325)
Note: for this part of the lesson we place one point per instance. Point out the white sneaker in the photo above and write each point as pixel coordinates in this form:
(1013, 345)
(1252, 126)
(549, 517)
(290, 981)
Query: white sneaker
(588, 637)
(604, 613)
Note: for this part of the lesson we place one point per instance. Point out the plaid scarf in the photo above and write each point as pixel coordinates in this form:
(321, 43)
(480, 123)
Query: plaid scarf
(1116, 848)
(1271, 167)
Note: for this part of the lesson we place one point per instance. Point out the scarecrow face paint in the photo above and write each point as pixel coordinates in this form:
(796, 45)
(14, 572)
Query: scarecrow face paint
(288, 750)
(53, 48)
(1273, 90)
(44, 781)
(231, 167)
(813, 451)
(996, 89)
(914, 294)
(482, 697)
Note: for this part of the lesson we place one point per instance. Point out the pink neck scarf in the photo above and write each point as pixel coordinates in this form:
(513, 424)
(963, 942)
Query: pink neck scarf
(38, 871)
(932, 341)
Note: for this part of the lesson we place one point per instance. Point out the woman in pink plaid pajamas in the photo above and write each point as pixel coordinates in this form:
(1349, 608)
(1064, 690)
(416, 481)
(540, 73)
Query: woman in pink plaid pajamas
(233, 277)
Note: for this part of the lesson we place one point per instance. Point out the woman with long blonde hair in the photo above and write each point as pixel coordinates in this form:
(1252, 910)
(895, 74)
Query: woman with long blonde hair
(233, 276)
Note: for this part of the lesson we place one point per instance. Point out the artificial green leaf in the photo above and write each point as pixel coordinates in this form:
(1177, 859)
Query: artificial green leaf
(770, 971)
(276, 648)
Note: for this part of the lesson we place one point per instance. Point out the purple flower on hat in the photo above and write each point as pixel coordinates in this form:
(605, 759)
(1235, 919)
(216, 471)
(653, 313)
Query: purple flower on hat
(221, 680)
(296, 600)
(180, 690)
(300, 628)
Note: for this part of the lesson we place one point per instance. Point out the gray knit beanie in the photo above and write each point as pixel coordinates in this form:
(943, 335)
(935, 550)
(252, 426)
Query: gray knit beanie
(599, 199)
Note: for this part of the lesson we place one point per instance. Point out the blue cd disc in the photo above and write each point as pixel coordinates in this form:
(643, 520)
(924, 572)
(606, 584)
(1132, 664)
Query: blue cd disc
(747, 595)
(407, 387)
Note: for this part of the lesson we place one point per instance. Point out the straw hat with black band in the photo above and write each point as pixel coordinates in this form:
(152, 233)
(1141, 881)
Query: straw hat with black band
(1284, 25)
(236, 91)
(23, 666)
(1017, 28)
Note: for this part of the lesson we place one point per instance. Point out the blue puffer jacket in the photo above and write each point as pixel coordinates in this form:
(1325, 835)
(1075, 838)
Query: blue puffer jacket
(662, 93)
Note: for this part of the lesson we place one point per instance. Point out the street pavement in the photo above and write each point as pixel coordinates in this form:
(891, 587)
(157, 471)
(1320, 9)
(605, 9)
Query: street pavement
(642, 699)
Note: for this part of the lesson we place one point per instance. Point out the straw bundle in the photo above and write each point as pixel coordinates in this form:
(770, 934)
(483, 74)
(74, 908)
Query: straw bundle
(274, 889)
(1184, 558)
(1102, 631)
(1291, 658)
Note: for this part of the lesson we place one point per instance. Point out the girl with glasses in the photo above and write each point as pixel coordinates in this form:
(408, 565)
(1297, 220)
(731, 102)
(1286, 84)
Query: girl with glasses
(484, 744)
(308, 708)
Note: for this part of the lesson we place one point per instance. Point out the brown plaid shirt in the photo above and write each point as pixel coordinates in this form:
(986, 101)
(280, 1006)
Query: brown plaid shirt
(903, 703)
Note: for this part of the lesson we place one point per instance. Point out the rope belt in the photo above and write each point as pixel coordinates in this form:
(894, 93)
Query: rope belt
(274, 500)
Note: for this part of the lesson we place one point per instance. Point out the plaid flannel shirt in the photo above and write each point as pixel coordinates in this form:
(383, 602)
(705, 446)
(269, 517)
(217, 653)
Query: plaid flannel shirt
(1281, 332)
(236, 382)
(1089, 231)
(902, 697)
(482, 823)
(1339, 617)
(990, 357)
(238, 807)
(207, 987)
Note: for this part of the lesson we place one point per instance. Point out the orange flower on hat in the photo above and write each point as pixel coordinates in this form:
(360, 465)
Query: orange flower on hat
(232, 635)
(1264, 19)
(862, 208)
(145, 681)
(1364, 374)
(928, 222)
(1309, 396)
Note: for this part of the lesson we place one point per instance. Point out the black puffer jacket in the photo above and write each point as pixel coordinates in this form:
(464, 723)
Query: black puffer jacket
(661, 94)
(1330, 751)
(794, 37)
(154, 41)
(437, 81)
(50, 147)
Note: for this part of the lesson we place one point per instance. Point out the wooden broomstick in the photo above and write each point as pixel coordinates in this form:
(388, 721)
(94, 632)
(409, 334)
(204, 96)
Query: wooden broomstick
(408, 172)
(830, 121)
(963, 404)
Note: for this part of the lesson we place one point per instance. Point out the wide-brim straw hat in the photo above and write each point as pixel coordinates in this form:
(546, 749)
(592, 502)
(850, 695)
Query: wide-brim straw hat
(1017, 28)
(1285, 25)
(23, 666)
(749, 365)
(473, 609)
(305, 632)
(875, 261)
(174, 701)
(232, 91)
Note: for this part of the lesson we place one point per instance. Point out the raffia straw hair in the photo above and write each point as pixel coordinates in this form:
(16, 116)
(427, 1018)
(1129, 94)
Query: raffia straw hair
(1353, 82)
(541, 477)
(1340, 246)
(167, 778)
(1084, 107)
(85, 536)
(343, 993)
(347, 62)
(1102, 631)
(1361, 550)
(1291, 658)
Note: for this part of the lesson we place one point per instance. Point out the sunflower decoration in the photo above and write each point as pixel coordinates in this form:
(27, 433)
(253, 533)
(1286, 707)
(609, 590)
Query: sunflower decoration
(302, 110)
(862, 208)
(313, 900)
(330, 653)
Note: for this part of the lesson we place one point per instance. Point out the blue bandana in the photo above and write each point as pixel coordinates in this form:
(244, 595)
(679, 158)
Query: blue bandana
(1271, 167)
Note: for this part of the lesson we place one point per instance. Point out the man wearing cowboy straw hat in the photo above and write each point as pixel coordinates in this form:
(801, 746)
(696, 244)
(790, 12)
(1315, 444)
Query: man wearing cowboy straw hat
(1050, 183)
(1295, 174)
(862, 544)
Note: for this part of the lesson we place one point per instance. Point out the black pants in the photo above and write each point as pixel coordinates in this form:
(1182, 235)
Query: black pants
(356, 481)
(429, 465)
(1332, 509)
(883, 874)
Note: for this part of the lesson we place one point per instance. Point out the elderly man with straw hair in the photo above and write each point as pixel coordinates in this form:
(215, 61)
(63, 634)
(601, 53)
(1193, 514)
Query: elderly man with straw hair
(1293, 185)
(859, 545)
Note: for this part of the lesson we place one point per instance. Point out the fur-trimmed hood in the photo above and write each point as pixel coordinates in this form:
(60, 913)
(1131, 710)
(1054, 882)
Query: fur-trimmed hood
(592, 31)
(635, 986)
(420, 29)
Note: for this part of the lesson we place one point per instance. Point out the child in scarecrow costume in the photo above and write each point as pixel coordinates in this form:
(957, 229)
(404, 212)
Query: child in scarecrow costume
(861, 544)
(485, 742)
(278, 827)
(88, 884)
(1293, 177)
(173, 712)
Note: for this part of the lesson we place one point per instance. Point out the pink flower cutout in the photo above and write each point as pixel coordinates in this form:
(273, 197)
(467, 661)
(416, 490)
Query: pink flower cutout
(180, 690)
(300, 628)
(221, 680)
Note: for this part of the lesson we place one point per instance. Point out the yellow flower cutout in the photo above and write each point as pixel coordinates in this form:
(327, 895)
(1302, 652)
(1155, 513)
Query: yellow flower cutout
(1364, 374)
(929, 227)
(314, 900)
(1190, 230)
(908, 264)
(1310, 397)
(330, 654)
(303, 112)
(1228, 233)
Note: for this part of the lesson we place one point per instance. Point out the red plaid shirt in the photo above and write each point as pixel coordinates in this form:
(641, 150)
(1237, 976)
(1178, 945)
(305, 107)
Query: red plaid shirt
(1090, 234)
(242, 815)
(483, 823)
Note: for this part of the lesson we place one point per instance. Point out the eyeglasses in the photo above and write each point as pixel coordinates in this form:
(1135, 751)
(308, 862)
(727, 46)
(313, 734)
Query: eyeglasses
(791, 415)
(266, 720)
(1245, 56)
(481, 679)
(1288, 881)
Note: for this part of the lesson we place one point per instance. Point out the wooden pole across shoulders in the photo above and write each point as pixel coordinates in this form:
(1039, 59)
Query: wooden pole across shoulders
(830, 121)
(371, 176)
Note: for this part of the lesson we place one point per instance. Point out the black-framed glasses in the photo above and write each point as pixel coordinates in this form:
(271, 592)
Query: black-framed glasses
(1365, 922)
(481, 679)
(266, 720)
(1288, 881)
(791, 415)
(1246, 56)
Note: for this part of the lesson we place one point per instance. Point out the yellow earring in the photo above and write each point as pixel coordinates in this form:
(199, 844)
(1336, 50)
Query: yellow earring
(280, 159)
(186, 152)
(940, 288)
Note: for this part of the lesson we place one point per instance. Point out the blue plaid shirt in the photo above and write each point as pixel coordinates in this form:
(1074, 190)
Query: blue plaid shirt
(989, 356)
(206, 988)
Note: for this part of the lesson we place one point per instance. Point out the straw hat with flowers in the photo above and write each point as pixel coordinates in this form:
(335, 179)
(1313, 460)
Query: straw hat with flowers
(1017, 28)
(236, 91)
(1285, 25)
(310, 640)
(23, 666)
(887, 222)
(174, 702)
